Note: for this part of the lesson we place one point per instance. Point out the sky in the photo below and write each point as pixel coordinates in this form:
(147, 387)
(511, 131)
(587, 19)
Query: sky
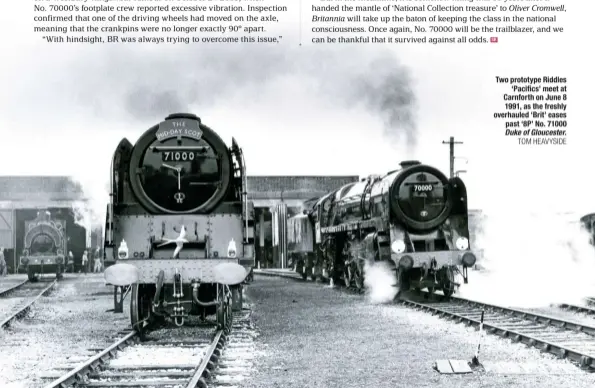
(299, 110)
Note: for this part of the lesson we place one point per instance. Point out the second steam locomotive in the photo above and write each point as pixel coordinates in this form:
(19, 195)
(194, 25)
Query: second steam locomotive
(47, 239)
(179, 227)
(415, 219)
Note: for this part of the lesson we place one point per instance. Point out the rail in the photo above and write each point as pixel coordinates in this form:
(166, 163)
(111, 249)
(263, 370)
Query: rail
(524, 332)
(25, 308)
(197, 375)
(78, 374)
(577, 308)
(207, 364)
(8, 291)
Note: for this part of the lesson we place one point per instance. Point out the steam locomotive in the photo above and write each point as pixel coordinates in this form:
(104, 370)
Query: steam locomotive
(177, 214)
(415, 219)
(46, 241)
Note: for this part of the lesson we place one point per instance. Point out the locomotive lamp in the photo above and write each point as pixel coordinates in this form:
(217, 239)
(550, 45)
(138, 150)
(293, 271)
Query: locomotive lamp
(469, 259)
(231, 249)
(398, 246)
(462, 243)
(123, 250)
(406, 262)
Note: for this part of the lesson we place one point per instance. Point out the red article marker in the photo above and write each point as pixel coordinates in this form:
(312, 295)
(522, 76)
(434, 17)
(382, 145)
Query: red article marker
(494, 39)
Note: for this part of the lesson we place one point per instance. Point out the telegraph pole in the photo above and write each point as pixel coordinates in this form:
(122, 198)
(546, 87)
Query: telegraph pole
(452, 143)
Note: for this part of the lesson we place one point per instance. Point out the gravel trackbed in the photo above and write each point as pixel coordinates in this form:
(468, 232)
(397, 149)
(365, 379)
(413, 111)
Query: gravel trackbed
(61, 331)
(315, 336)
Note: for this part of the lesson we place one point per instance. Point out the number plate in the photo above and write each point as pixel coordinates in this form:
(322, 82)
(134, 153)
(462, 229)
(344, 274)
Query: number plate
(421, 190)
(178, 156)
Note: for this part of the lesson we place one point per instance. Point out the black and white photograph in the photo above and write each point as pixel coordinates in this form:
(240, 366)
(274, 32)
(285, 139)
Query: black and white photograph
(266, 194)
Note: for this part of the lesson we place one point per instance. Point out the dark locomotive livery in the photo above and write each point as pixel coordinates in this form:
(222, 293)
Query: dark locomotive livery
(415, 219)
(47, 240)
(179, 225)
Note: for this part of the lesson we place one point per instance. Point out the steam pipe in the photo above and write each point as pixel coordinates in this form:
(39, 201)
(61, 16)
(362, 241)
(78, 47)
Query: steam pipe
(198, 302)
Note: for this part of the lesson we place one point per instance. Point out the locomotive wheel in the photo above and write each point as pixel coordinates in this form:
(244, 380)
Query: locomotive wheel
(448, 282)
(140, 308)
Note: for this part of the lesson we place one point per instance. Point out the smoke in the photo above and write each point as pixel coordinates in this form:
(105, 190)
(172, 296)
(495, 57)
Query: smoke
(150, 83)
(532, 260)
(379, 282)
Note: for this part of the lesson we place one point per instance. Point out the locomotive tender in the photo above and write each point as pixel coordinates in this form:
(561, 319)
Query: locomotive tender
(414, 218)
(181, 222)
(45, 243)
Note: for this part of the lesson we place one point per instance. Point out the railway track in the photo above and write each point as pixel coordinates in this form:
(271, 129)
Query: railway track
(17, 301)
(190, 356)
(579, 309)
(13, 287)
(561, 337)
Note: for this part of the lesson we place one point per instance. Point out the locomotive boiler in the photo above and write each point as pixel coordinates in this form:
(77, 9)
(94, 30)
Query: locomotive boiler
(413, 218)
(46, 242)
(179, 226)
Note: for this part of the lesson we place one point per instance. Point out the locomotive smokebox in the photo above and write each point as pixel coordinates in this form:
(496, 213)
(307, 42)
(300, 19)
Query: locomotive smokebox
(420, 197)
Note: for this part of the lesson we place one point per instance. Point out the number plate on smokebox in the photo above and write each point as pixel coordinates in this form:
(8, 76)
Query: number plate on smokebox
(421, 190)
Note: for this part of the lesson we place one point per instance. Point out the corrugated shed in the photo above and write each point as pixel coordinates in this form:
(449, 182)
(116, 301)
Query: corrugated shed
(49, 188)
(296, 187)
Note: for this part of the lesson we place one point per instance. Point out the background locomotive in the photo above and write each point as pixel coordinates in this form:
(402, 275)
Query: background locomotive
(414, 218)
(181, 222)
(48, 236)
